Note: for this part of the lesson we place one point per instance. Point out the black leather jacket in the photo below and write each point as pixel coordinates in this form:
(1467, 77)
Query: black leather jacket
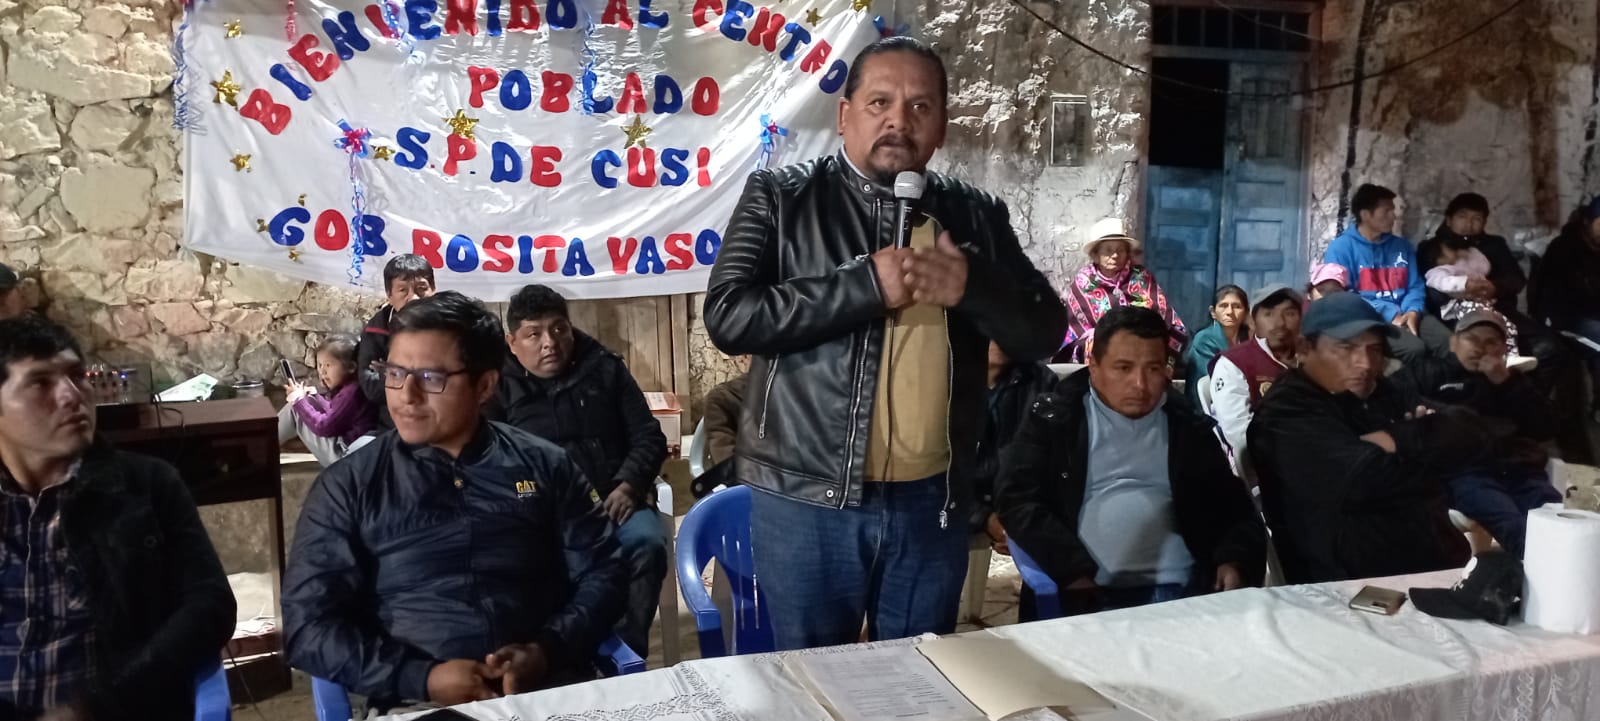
(794, 284)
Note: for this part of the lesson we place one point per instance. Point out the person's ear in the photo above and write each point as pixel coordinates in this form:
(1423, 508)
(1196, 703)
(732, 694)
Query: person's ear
(488, 383)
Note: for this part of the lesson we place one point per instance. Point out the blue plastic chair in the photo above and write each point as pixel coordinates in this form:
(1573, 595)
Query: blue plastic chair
(1047, 598)
(212, 701)
(332, 702)
(718, 528)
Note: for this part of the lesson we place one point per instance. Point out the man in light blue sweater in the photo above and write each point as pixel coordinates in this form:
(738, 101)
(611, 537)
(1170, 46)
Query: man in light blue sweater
(1382, 268)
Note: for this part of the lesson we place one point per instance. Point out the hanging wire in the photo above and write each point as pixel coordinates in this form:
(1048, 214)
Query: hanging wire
(1354, 79)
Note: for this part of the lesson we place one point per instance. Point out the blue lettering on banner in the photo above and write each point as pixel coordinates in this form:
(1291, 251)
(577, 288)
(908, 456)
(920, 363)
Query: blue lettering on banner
(507, 164)
(562, 14)
(706, 247)
(649, 258)
(577, 259)
(525, 246)
(798, 36)
(284, 234)
(516, 92)
(669, 98)
(651, 19)
(597, 167)
(281, 74)
(673, 171)
(492, 7)
(419, 19)
(372, 240)
(732, 26)
(414, 153)
(834, 79)
(345, 36)
(461, 255)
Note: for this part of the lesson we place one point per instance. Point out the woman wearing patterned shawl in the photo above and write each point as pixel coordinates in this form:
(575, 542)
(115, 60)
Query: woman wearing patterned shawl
(1112, 279)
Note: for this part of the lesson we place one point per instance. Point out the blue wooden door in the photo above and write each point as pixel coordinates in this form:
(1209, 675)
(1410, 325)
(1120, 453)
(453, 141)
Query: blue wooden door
(1184, 215)
(1262, 189)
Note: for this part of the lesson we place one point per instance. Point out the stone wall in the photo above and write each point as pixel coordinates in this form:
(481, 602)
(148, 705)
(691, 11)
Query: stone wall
(1505, 113)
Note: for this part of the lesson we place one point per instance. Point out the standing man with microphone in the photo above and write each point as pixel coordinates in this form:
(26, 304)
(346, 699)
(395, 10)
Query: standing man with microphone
(871, 338)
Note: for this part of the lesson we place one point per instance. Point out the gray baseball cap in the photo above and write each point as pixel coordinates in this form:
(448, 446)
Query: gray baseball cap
(1344, 316)
(1272, 290)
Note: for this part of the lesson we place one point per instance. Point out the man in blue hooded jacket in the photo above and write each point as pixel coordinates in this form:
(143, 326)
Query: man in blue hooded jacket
(1382, 268)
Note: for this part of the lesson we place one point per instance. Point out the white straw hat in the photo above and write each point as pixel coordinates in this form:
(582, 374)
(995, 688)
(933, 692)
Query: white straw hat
(1108, 229)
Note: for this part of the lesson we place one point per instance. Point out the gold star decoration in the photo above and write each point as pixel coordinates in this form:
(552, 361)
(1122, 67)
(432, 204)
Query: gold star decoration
(461, 125)
(382, 152)
(261, 226)
(233, 29)
(294, 254)
(301, 200)
(635, 132)
(227, 90)
(240, 162)
(860, 5)
(813, 17)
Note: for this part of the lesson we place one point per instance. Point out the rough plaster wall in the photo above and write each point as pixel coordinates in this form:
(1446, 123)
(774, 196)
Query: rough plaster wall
(1503, 114)
(1004, 65)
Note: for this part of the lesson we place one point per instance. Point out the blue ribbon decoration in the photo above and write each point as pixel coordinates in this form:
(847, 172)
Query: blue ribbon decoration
(590, 79)
(884, 31)
(770, 132)
(355, 143)
(391, 16)
(185, 117)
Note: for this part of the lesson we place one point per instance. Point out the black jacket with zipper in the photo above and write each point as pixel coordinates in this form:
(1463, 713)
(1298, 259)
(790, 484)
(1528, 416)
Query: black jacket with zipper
(161, 603)
(1343, 508)
(595, 412)
(1044, 477)
(374, 347)
(1009, 403)
(405, 557)
(794, 284)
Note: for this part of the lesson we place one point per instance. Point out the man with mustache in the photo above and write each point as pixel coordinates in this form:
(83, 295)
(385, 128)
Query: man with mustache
(868, 385)
(563, 386)
(112, 600)
(1351, 466)
(1243, 374)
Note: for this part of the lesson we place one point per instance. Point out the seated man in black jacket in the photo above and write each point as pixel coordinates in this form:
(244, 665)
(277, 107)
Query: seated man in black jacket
(1119, 489)
(1512, 480)
(112, 600)
(1352, 468)
(563, 386)
(454, 559)
(1012, 388)
(406, 278)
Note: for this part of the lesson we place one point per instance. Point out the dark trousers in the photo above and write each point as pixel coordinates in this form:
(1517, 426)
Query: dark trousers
(821, 570)
(1433, 339)
(1500, 502)
(644, 547)
(1111, 599)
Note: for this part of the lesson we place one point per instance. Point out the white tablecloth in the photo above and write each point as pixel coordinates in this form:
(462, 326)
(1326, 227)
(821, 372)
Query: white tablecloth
(1295, 652)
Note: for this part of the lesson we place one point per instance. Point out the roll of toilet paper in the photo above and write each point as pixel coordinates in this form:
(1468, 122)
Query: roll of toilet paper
(1562, 567)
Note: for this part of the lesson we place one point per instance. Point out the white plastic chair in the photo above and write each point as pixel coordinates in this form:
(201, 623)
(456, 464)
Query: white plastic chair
(698, 452)
(668, 608)
(1203, 390)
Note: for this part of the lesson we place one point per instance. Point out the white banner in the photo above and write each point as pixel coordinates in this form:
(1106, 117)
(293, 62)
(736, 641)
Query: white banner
(597, 146)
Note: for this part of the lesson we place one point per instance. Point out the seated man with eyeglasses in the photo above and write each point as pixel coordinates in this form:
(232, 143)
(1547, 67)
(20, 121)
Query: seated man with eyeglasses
(453, 559)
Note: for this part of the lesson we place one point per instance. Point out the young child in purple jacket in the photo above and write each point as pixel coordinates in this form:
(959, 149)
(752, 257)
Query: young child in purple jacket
(329, 425)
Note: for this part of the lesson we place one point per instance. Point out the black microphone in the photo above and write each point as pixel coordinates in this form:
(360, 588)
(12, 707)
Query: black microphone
(908, 188)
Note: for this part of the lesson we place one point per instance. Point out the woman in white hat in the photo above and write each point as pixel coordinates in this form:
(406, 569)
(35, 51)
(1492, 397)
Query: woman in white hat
(1111, 279)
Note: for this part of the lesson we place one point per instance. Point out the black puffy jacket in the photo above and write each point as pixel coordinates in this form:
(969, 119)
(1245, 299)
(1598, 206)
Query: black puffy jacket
(794, 284)
(1341, 507)
(1045, 472)
(595, 412)
(405, 557)
(1009, 402)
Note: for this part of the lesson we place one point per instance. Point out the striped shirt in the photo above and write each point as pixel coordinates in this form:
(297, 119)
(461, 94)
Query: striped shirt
(46, 627)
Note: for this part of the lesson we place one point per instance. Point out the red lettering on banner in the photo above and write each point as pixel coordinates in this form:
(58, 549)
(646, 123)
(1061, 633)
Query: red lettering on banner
(556, 88)
(543, 170)
(764, 33)
(680, 247)
(459, 15)
(458, 148)
(616, 13)
(550, 244)
(375, 16)
(333, 232)
(815, 58)
(427, 244)
(703, 158)
(524, 16)
(632, 96)
(261, 108)
(318, 65)
(641, 167)
(621, 252)
(700, 8)
(707, 96)
(482, 80)
(499, 260)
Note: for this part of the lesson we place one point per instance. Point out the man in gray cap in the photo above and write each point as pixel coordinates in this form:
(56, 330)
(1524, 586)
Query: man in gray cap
(1242, 375)
(11, 303)
(1352, 469)
(1511, 480)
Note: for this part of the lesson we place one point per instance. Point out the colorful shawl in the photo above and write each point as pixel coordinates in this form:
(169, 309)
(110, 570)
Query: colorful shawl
(1091, 295)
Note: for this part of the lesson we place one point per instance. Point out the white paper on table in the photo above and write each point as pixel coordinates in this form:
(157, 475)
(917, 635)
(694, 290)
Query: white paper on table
(1001, 677)
(197, 388)
(885, 684)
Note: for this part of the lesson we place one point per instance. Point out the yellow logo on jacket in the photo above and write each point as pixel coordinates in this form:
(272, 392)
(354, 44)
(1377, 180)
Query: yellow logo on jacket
(527, 489)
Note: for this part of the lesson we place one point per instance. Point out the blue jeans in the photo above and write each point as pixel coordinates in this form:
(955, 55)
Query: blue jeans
(821, 570)
(644, 549)
(1500, 503)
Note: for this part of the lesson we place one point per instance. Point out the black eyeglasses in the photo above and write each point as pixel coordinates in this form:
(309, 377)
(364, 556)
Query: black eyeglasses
(430, 379)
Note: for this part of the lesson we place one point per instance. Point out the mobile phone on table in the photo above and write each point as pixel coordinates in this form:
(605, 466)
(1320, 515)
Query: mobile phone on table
(1382, 601)
(288, 372)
